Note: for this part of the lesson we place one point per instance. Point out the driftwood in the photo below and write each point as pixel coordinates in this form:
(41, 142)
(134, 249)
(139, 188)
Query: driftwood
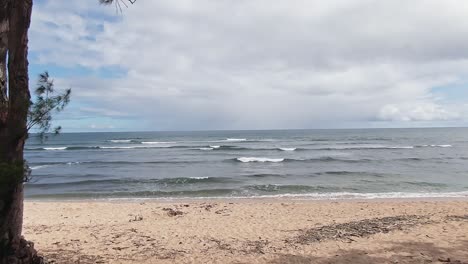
(356, 229)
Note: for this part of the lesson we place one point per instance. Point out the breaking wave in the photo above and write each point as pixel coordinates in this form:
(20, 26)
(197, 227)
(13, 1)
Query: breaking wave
(120, 140)
(157, 142)
(277, 160)
(434, 146)
(236, 139)
(287, 149)
(55, 148)
(206, 149)
(253, 159)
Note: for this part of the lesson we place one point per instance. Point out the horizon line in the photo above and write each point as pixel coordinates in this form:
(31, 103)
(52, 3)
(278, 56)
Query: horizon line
(275, 129)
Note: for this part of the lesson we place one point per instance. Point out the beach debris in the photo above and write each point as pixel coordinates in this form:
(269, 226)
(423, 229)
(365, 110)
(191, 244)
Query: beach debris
(457, 217)
(136, 218)
(171, 212)
(255, 247)
(208, 207)
(222, 245)
(119, 248)
(358, 229)
(449, 260)
(444, 259)
(223, 212)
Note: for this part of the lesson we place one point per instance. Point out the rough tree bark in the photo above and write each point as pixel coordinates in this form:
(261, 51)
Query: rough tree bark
(3, 62)
(13, 132)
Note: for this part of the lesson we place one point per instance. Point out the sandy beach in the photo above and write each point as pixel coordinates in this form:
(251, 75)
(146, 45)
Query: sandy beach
(250, 231)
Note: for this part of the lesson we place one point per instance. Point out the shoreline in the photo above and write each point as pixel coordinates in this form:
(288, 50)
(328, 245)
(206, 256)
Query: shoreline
(242, 199)
(250, 231)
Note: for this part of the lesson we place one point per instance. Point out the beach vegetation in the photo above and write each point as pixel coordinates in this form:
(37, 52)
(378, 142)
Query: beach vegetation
(48, 101)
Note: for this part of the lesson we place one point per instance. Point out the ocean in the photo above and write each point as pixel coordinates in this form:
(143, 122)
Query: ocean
(312, 164)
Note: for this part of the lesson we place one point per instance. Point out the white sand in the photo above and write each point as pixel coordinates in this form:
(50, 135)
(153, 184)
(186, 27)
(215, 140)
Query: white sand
(250, 231)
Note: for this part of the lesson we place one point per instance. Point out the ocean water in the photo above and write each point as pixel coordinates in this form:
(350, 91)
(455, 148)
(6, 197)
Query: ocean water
(315, 164)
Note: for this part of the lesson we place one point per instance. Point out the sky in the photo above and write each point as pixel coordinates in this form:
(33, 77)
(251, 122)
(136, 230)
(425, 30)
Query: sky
(254, 64)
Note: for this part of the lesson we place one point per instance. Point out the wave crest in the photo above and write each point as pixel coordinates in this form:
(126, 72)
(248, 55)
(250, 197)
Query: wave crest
(120, 140)
(56, 148)
(435, 146)
(157, 142)
(287, 149)
(205, 149)
(254, 159)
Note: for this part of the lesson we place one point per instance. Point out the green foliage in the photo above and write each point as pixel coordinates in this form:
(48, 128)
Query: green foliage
(47, 101)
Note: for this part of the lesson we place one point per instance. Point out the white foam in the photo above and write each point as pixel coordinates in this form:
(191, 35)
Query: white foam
(157, 142)
(120, 140)
(73, 163)
(254, 159)
(134, 147)
(56, 148)
(206, 148)
(199, 178)
(287, 149)
(437, 146)
(316, 196)
(370, 147)
(441, 146)
(215, 147)
(348, 195)
(39, 167)
(236, 139)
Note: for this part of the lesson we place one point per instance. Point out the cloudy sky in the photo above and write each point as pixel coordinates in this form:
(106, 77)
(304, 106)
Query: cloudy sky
(255, 64)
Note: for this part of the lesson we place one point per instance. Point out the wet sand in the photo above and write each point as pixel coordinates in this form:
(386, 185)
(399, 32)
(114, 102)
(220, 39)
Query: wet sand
(250, 231)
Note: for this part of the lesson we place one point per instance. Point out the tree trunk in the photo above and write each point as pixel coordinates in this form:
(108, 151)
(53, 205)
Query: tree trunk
(13, 133)
(3, 78)
(3, 62)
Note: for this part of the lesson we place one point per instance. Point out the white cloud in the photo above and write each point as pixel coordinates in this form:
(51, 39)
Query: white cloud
(416, 112)
(258, 63)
